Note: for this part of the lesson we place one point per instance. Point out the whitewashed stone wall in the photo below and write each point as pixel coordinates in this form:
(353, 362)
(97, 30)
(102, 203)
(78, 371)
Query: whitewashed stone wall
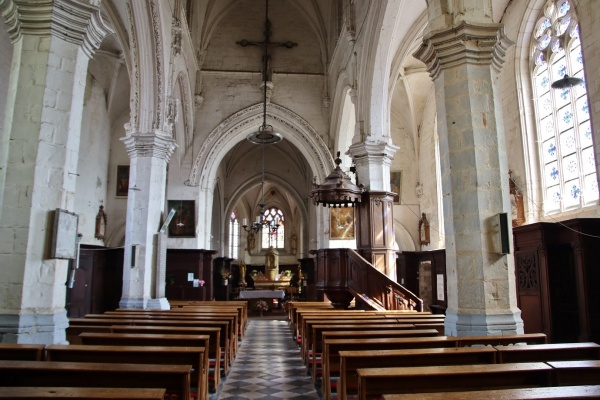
(94, 152)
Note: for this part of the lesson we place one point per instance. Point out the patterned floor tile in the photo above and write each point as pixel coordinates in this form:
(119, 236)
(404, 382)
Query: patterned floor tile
(268, 366)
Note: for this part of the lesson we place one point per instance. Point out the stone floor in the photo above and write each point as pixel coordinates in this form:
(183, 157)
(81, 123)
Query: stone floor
(268, 365)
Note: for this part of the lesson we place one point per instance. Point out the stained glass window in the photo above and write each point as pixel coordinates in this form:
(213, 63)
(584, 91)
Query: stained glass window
(563, 120)
(272, 237)
(234, 236)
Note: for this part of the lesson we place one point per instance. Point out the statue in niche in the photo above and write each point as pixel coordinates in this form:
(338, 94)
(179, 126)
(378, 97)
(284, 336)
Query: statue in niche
(100, 224)
(423, 230)
(251, 242)
(271, 263)
(516, 203)
(242, 273)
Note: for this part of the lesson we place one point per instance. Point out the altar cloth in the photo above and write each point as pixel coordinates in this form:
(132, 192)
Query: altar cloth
(262, 294)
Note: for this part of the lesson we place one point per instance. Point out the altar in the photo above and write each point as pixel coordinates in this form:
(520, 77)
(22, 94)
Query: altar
(262, 294)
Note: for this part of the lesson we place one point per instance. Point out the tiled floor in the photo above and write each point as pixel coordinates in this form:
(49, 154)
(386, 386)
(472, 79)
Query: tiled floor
(268, 366)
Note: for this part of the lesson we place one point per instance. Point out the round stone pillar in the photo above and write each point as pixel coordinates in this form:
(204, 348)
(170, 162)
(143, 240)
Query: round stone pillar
(463, 57)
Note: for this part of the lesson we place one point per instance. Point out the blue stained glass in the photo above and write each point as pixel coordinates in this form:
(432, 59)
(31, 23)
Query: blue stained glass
(579, 58)
(568, 116)
(585, 107)
(562, 70)
(563, 8)
(552, 149)
(588, 132)
(575, 192)
(545, 81)
(564, 94)
(554, 173)
(556, 197)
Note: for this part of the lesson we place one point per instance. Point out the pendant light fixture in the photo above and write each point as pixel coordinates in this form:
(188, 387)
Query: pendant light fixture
(566, 82)
(264, 136)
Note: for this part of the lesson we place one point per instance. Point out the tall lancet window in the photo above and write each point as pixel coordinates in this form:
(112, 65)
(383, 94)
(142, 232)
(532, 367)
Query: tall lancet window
(234, 236)
(563, 120)
(272, 237)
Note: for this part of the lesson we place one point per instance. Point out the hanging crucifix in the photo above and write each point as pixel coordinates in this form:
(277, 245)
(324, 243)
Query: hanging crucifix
(266, 44)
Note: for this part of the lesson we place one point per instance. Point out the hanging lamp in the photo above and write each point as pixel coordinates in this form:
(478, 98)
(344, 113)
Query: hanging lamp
(337, 190)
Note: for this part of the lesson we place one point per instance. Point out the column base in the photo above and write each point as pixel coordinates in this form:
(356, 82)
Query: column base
(34, 329)
(458, 324)
(133, 303)
(158, 304)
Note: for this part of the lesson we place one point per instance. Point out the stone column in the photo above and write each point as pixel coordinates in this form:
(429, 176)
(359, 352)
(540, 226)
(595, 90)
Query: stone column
(53, 41)
(374, 215)
(149, 154)
(463, 53)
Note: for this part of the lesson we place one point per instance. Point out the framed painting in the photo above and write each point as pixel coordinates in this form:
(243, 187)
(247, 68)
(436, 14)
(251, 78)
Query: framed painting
(122, 187)
(396, 185)
(341, 223)
(183, 223)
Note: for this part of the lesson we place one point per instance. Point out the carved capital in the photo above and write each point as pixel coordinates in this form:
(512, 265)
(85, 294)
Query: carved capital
(158, 145)
(483, 44)
(372, 150)
(75, 21)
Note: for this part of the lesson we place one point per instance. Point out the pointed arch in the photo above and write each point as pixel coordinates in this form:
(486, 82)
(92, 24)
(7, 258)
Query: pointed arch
(234, 129)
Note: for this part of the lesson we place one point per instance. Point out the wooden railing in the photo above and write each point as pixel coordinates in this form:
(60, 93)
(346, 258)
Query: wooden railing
(342, 274)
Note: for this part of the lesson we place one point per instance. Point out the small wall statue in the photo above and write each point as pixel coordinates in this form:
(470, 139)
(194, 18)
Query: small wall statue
(271, 263)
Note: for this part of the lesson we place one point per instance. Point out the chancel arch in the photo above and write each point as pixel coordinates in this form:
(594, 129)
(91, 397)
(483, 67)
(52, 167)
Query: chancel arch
(234, 129)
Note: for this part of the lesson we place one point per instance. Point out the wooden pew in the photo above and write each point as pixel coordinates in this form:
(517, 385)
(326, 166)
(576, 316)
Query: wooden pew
(374, 382)
(562, 392)
(568, 373)
(240, 305)
(503, 340)
(17, 351)
(548, 352)
(213, 349)
(316, 355)
(331, 361)
(73, 331)
(149, 339)
(351, 361)
(194, 356)
(174, 378)
(229, 334)
(70, 393)
(223, 325)
(306, 343)
(220, 313)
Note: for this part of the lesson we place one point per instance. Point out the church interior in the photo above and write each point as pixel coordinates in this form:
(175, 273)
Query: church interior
(430, 157)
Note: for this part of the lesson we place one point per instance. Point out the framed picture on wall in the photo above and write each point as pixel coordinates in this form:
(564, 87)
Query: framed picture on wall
(122, 187)
(183, 223)
(341, 223)
(396, 185)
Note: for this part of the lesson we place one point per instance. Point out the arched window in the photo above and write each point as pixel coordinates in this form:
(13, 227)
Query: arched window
(563, 121)
(234, 236)
(272, 237)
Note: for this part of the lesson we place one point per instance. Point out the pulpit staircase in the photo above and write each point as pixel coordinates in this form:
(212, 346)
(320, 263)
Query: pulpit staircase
(344, 275)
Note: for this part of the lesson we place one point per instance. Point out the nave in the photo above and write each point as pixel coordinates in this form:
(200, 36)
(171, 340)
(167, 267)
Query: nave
(268, 365)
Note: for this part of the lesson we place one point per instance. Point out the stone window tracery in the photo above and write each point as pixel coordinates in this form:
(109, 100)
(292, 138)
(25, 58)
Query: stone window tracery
(234, 236)
(275, 239)
(562, 115)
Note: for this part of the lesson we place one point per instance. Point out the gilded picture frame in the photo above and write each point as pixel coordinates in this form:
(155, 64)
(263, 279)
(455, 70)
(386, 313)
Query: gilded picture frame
(122, 179)
(341, 223)
(183, 223)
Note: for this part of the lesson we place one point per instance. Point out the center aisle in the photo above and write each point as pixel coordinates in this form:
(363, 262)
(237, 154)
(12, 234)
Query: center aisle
(268, 366)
